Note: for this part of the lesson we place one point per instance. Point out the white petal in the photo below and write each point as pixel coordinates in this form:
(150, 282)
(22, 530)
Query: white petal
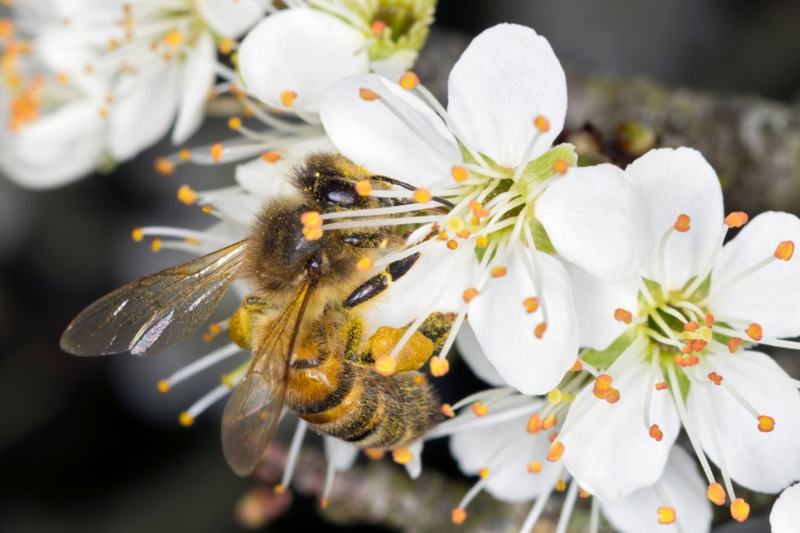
(144, 113)
(302, 50)
(268, 180)
(679, 182)
(375, 137)
(507, 77)
(771, 296)
(609, 449)
(414, 467)
(595, 302)
(785, 515)
(472, 353)
(596, 219)
(506, 331)
(394, 66)
(686, 493)
(198, 77)
(230, 18)
(341, 454)
(506, 449)
(763, 462)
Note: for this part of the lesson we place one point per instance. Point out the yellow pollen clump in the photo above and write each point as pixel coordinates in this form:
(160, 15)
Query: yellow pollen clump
(185, 419)
(368, 94)
(561, 485)
(155, 245)
(755, 332)
(766, 424)
(539, 330)
(364, 188)
(656, 433)
(666, 515)
(554, 396)
(483, 472)
(447, 410)
(409, 81)
(482, 242)
(288, 98)
(560, 166)
(621, 315)
(458, 517)
(534, 424)
(740, 510)
(460, 174)
(187, 195)
(402, 455)
(555, 452)
(385, 365)
(582, 493)
(784, 251)
(531, 305)
(499, 271)
(375, 454)
(452, 244)
(137, 234)
(542, 124)
(163, 386)
(165, 167)
(439, 367)
(216, 152)
(549, 422)
(535, 467)
(479, 409)
(716, 494)
(377, 27)
(364, 264)
(234, 123)
(577, 366)
(422, 196)
(271, 157)
(470, 295)
(682, 225)
(735, 220)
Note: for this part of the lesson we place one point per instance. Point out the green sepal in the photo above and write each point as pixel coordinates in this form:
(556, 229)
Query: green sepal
(605, 358)
(541, 168)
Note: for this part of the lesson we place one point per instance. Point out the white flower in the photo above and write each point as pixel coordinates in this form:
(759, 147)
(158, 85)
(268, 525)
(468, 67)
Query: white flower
(668, 343)
(785, 515)
(514, 200)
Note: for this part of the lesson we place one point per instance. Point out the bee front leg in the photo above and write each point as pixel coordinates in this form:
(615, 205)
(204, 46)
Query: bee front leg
(377, 284)
(239, 326)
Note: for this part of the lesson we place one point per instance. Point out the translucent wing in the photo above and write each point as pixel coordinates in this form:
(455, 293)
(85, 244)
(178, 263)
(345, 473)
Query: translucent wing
(252, 413)
(157, 311)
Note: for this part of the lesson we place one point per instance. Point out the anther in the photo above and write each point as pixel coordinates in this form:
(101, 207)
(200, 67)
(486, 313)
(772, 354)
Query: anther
(165, 167)
(368, 94)
(311, 219)
(621, 315)
(656, 432)
(555, 452)
(716, 494)
(733, 344)
(460, 174)
(279, 489)
(173, 38)
(499, 271)
(784, 251)
(755, 331)
(409, 81)
(312, 234)
(216, 152)
(577, 366)
(458, 517)
(612, 396)
(185, 419)
(364, 264)
(535, 467)
(234, 123)
(419, 379)
(602, 384)
(422, 196)
(740, 510)
(482, 242)
(376, 454)
(561, 485)
(534, 424)
(682, 225)
(377, 27)
(483, 472)
(662, 386)
(385, 365)
(582, 493)
(709, 323)
(691, 326)
(447, 410)
(439, 367)
(560, 166)
(531, 305)
(464, 234)
(137, 234)
(186, 195)
(287, 98)
(323, 503)
(542, 124)
(549, 422)
(452, 244)
(364, 188)
(185, 154)
(553, 437)
(155, 245)
(666, 515)
(470, 295)
(402, 455)
(226, 46)
(163, 386)
(539, 330)
(480, 409)
(271, 157)
(766, 424)
(736, 219)
(715, 378)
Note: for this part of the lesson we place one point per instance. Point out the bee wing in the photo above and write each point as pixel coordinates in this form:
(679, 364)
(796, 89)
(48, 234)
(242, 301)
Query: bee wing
(157, 311)
(252, 413)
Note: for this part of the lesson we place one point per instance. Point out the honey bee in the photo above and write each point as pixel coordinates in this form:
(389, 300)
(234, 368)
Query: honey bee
(302, 322)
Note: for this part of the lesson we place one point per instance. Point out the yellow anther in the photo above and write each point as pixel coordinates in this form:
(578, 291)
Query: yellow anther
(582, 493)
(577, 366)
(534, 424)
(766, 424)
(364, 188)
(482, 242)
(666, 515)
(463, 234)
(187, 195)
(323, 503)
(561, 485)
(555, 452)
(458, 516)
(422, 196)
(542, 124)
(288, 98)
(103, 112)
(531, 305)
(716, 494)
(368, 94)
(234, 123)
(554, 396)
(155, 245)
(364, 264)
(402, 455)
(226, 46)
(62, 78)
(452, 244)
(312, 234)
(755, 332)
(460, 174)
(163, 386)
(499, 271)
(137, 234)
(271, 157)
(376, 454)
(735, 220)
(535, 467)
(479, 409)
(549, 422)
(683, 224)
(216, 152)
(385, 365)
(560, 166)
(173, 38)
(784, 251)
(165, 167)
(439, 367)
(447, 410)
(740, 510)
(483, 472)
(206, 209)
(470, 295)
(185, 419)
(540, 329)
(279, 489)
(409, 81)
(185, 154)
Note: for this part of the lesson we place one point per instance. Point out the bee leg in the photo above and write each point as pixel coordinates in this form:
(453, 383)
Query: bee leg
(364, 240)
(376, 285)
(239, 324)
(437, 328)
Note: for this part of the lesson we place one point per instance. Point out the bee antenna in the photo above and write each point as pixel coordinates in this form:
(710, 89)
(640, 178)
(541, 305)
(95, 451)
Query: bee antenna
(412, 188)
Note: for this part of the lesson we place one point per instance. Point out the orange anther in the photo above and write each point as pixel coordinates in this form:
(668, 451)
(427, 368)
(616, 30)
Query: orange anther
(368, 94)
(442, 236)
(409, 81)
(439, 367)
(385, 365)
(535, 467)
(482, 242)
(534, 424)
(323, 503)
(458, 517)
(452, 244)
(483, 472)
(447, 410)
(376, 454)
(582, 493)
(402, 455)
(215, 328)
(662, 386)
(279, 489)
(165, 167)
(656, 432)
(234, 123)
(716, 378)
(163, 386)
(364, 188)
(186, 195)
(185, 419)
(612, 396)
(542, 124)
(271, 157)
(540, 329)
(226, 46)
(185, 154)
(531, 305)
(766, 424)
(709, 320)
(560, 166)
(311, 219)
(216, 152)
(555, 452)
(499, 271)
(621, 315)
(577, 366)
(288, 98)
(736, 219)
(755, 332)
(691, 326)
(422, 196)
(62, 78)
(377, 27)
(602, 384)
(666, 515)
(364, 264)
(716, 494)
(155, 245)
(682, 225)
(553, 437)
(480, 409)
(312, 234)
(733, 344)
(137, 234)
(460, 174)
(561, 485)
(463, 234)
(469, 295)
(206, 209)
(740, 510)
(549, 422)
(784, 251)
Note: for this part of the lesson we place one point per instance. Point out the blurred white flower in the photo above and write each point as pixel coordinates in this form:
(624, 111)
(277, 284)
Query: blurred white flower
(785, 515)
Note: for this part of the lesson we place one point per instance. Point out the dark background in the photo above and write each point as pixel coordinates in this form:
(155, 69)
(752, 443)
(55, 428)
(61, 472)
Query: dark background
(89, 445)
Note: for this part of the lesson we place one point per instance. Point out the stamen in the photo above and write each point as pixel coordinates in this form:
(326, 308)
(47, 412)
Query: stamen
(188, 417)
(439, 367)
(742, 275)
(536, 511)
(656, 432)
(402, 455)
(198, 366)
(447, 410)
(755, 332)
(376, 454)
(569, 505)
(294, 452)
(288, 98)
(480, 409)
(715, 440)
(740, 510)
(165, 167)
(681, 225)
(458, 516)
